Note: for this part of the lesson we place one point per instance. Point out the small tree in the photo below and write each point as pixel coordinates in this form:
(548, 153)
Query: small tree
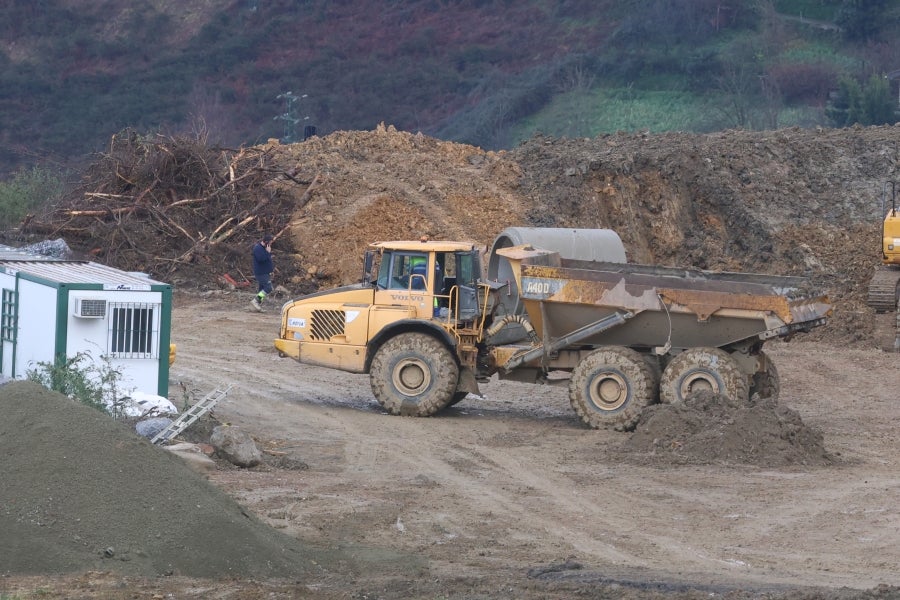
(736, 86)
(877, 102)
(869, 104)
(861, 19)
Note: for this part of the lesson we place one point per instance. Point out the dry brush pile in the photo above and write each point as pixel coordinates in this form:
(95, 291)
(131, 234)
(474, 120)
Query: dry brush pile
(174, 207)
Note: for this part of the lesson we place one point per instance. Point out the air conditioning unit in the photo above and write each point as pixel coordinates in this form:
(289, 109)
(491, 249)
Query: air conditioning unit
(90, 308)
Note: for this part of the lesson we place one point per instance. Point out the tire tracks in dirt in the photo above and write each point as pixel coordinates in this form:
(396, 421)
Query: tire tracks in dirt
(515, 480)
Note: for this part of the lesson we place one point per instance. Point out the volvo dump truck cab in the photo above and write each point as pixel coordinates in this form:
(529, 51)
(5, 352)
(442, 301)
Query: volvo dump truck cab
(427, 326)
(412, 323)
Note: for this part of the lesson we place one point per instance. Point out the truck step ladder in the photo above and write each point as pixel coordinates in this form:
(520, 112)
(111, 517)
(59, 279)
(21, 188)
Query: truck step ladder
(187, 418)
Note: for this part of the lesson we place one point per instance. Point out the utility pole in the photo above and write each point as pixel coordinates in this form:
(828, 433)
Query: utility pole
(289, 116)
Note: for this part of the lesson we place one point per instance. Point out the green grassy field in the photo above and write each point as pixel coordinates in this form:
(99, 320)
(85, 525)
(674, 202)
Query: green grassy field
(586, 114)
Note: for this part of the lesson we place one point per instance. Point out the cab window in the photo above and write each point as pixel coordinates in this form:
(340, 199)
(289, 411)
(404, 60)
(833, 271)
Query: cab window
(467, 269)
(398, 269)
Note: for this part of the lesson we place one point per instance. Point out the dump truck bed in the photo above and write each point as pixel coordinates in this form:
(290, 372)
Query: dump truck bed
(682, 308)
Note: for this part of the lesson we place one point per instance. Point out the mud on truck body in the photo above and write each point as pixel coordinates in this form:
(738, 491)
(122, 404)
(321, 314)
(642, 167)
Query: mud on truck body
(429, 326)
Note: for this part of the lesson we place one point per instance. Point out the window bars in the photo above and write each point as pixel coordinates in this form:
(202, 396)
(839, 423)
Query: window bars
(133, 330)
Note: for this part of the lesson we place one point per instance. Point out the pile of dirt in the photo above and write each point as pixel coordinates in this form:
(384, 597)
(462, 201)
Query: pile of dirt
(81, 492)
(708, 428)
(387, 185)
(786, 202)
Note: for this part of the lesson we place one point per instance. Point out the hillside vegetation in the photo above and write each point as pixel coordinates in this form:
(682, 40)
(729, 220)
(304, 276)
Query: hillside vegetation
(484, 72)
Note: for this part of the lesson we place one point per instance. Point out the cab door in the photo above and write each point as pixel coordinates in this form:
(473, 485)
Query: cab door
(468, 272)
(404, 289)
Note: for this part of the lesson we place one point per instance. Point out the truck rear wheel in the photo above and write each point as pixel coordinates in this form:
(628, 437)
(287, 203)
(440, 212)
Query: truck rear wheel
(413, 374)
(702, 369)
(610, 388)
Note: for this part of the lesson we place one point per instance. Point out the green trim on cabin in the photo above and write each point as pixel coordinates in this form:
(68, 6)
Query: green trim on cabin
(3, 342)
(15, 345)
(165, 324)
(62, 322)
(3, 316)
(165, 337)
(12, 322)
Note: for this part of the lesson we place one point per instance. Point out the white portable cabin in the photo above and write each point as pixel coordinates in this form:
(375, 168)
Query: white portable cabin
(58, 308)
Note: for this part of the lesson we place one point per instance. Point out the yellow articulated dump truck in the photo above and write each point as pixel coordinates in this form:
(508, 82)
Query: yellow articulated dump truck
(427, 325)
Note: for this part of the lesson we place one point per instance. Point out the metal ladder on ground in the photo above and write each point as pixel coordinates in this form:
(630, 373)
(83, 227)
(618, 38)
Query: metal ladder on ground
(187, 418)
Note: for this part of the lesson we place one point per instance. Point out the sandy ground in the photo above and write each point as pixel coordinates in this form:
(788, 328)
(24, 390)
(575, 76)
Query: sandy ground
(513, 488)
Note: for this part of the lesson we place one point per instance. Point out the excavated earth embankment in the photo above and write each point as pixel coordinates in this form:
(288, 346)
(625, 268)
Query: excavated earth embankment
(787, 202)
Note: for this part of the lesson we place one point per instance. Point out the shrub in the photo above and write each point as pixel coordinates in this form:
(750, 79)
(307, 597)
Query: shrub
(25, 192)
(81, 379)
(804, 82)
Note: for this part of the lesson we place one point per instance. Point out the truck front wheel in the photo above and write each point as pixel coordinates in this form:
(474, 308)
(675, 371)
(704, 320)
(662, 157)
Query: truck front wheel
(413, 374)
(610, 388)
(703, 369)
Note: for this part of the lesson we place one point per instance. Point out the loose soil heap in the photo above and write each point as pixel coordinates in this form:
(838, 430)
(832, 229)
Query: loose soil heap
(781, 202)
(708, 428)
(81, 492)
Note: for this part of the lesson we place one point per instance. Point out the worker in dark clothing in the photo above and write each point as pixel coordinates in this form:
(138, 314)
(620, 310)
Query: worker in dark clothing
(262, 270)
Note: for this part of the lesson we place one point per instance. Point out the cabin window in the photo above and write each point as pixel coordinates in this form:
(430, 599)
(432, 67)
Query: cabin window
(133, 330)
(404, 271)
(8, 316)
(467, 269)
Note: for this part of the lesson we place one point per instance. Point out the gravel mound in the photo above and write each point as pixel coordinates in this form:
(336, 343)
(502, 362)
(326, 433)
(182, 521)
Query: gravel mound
(81, 492)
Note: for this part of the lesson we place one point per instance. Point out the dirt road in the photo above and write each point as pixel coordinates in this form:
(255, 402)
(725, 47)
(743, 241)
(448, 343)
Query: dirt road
(512, 493)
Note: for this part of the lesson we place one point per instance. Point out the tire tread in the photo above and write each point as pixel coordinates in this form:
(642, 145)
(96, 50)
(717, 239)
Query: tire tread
(445, 374)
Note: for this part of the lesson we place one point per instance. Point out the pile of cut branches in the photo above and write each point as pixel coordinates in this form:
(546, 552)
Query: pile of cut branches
(165, 205)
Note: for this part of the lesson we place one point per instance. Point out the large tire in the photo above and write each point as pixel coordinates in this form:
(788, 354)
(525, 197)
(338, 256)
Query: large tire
(703, 369)
(610, 388)
(413, 374)
(766, 384)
